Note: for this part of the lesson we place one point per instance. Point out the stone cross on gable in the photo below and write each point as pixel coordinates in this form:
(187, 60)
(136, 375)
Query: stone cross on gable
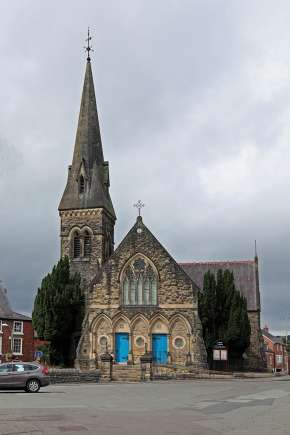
(139, 205)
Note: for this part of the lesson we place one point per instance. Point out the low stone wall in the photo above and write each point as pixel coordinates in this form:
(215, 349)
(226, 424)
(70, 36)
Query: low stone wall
(73, 376)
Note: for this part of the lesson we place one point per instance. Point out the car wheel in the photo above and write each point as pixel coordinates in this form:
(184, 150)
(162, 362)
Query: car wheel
(32, 386)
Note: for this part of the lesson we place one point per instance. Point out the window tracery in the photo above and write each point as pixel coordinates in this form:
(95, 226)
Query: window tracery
(139, 284)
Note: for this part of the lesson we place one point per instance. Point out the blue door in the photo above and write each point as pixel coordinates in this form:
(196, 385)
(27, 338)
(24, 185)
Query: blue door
(159, 348)
(122, 347)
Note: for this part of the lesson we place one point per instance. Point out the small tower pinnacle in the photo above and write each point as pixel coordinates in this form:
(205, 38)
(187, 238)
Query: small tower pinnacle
(256, 252)
(88, 48)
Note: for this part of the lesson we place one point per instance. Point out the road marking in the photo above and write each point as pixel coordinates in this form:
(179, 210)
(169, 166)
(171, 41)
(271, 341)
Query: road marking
(202, 405)
(238, 400)
(268, 394)
(249, 398)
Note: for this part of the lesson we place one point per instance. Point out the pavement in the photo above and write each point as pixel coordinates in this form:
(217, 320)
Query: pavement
(198, 407)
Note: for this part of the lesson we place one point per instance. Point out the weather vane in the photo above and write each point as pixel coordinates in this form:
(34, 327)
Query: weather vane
(139, 205)
(88, 48)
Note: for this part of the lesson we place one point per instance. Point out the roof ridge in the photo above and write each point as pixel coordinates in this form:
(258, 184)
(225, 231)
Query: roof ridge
(218, 262)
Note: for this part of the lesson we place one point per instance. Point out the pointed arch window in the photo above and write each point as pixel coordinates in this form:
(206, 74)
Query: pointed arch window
(81, 184)
(87, 244)
(76, 245)
(139, 284)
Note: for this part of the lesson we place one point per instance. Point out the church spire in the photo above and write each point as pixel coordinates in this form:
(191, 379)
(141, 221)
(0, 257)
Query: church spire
(88, 177)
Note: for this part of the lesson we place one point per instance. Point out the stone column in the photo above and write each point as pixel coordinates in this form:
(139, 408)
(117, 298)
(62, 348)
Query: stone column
(188, 355)
(130, 355)
(146, 366)
(106, 367)
(169, 353)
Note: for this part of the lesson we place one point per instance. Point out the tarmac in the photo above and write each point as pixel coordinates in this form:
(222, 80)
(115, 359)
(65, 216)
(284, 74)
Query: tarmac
(198, 407)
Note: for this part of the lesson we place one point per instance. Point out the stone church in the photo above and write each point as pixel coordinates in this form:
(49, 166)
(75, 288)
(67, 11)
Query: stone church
(138, 298)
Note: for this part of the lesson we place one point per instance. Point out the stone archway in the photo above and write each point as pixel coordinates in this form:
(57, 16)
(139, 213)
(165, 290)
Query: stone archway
(122, 339)
(180, 337)
(102, 339)
(159, 331)
(139, 337)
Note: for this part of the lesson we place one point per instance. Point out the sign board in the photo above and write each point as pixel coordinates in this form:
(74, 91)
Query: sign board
(220, 354)
(38, 354)
(219, 344)
(216, 355)
(224, 355)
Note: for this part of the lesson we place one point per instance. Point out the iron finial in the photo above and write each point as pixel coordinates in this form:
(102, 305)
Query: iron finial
(88, 48)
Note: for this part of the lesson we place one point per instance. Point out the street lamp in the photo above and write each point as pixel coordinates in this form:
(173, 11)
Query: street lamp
(286, 332)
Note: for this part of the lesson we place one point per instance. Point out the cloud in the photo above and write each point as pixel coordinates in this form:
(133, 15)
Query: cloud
(193, 99)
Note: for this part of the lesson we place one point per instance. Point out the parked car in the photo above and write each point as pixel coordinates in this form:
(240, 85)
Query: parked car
(29, 376)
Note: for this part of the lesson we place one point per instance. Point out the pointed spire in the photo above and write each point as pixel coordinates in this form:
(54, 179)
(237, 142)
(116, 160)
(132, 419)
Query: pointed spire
(88, 144)
(88, 178)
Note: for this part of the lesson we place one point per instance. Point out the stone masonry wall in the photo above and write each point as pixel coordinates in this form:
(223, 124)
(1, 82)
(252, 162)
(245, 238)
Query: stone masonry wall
(176, 310)
(99, 224)
(255, 351)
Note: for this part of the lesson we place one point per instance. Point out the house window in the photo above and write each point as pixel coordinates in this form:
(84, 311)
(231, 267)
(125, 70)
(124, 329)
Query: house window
(81, 184)
(76, 246)
(18, 327)
(87, 244)
(0, 345)
(17, 346)
(139, 283)
(279, 359)
(1, 326)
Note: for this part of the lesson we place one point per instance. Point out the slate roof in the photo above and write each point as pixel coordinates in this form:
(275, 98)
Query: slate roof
(271, 337)
(88, 159)
(245, 275)
(5, 309)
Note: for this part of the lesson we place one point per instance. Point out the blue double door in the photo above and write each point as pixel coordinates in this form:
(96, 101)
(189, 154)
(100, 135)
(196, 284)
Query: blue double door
(159, 348)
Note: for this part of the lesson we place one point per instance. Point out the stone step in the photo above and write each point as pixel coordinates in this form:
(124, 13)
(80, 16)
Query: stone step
(126, 373)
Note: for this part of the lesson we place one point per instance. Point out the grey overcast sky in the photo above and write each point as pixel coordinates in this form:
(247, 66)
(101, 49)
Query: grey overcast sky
(194, 106)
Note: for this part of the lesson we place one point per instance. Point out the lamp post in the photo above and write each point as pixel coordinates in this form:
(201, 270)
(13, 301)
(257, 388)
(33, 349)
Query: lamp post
(286, 332)
(11, 337)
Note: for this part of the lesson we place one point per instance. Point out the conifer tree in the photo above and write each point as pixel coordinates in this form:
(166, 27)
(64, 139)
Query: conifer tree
(223, 313)
(58, 310)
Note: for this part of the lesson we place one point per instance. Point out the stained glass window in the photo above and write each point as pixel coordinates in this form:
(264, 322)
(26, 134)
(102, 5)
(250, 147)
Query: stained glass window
(139, 284)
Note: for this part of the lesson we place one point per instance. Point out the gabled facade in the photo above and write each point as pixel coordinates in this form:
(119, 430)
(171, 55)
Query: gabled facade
(142, 300)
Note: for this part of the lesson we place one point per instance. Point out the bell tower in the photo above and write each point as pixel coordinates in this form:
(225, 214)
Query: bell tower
(86, 211)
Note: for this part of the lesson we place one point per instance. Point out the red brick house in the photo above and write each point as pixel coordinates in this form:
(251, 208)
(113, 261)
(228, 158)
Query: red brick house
(276, 353)
(16, 332)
